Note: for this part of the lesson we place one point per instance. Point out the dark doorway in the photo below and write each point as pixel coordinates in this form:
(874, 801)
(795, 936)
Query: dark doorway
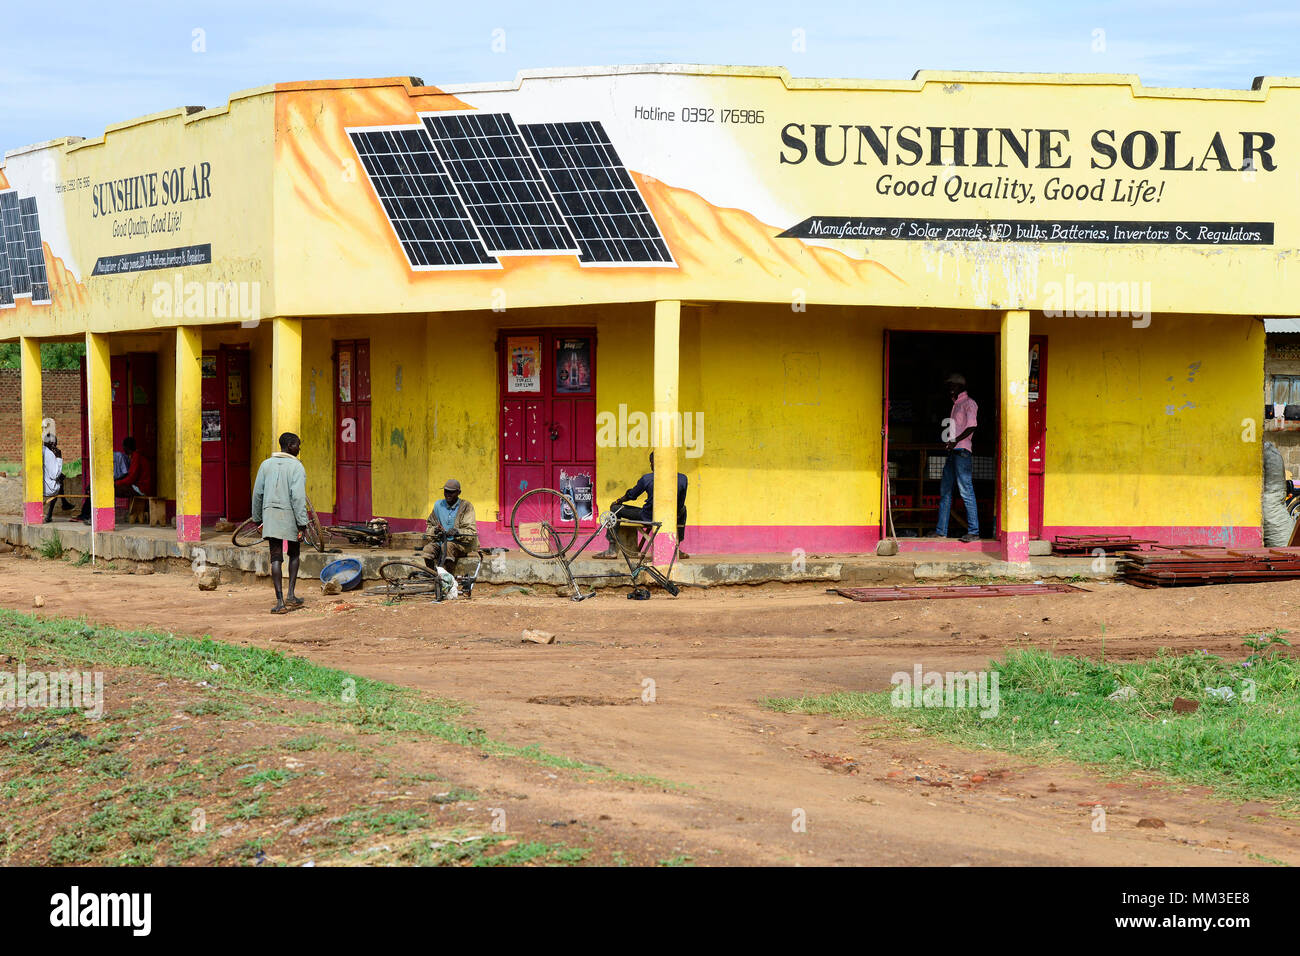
(916, 404)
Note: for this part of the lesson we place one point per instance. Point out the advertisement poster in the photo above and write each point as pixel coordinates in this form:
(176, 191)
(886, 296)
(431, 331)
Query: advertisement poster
(525, 357)
(578, 487)
(572, 365)
(345, 377)
(1033, 372)
(208, 366)
(212, 424)
(234, 388)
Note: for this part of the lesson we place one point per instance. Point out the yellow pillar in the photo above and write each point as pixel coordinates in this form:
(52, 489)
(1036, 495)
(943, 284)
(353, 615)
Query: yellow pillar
(668, 332)
(286, 380)
(1014, 359)
(98, 458)
(33, 452)
(189, 433)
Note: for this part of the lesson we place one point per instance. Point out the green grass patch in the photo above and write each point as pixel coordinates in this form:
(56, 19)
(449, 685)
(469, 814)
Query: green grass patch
(52, 547)
(1246, 745)
(487, 852)
(370, 706)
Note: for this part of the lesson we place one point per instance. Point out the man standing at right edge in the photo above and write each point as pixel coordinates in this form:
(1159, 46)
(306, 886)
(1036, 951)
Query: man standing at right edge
(280, 505)
(957, 469)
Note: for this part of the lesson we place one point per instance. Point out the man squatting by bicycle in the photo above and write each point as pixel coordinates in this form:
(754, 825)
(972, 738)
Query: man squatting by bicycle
(280, 506)
(453, 527)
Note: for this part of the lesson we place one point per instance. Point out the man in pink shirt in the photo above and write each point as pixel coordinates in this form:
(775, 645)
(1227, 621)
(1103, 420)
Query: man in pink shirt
(957, 434)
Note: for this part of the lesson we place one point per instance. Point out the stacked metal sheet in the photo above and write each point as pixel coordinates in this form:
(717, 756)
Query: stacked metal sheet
(1183, 565)
(1087, 543)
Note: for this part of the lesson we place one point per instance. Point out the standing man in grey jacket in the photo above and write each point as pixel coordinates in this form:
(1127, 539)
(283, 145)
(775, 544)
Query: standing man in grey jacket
(280, 505)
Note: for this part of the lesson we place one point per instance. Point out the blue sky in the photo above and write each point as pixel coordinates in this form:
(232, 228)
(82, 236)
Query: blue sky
(92, 64)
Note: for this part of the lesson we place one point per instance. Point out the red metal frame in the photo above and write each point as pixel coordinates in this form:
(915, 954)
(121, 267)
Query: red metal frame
(951, 591)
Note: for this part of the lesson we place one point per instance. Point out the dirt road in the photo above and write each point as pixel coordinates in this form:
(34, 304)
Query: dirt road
(750, 773)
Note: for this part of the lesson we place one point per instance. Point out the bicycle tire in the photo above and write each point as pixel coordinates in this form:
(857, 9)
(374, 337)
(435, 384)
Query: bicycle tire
(538, 525)
(313, 534)
(407, 577)
(247, 534)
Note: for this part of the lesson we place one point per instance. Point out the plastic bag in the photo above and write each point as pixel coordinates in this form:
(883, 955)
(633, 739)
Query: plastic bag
(449, 587)
(1276, 524)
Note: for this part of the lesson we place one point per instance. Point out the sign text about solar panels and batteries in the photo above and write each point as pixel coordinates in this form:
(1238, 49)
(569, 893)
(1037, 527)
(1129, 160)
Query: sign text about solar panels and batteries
(1133, 171)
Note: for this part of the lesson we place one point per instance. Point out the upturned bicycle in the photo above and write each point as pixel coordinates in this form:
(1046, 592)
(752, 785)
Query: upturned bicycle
(544, 523)
(412, 578)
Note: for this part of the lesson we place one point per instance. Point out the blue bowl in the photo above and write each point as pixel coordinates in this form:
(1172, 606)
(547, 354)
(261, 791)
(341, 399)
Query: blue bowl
(346, 571)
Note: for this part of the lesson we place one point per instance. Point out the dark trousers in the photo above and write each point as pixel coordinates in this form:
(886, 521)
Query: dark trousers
(637, 513)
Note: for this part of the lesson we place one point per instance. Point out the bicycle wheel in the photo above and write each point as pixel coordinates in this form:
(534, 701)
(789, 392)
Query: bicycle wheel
(544, 523)
(247, 534)
(406, 577)
(315, 534)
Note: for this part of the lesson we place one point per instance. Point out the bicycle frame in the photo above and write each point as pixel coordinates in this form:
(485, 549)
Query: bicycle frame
(644, 560)
(464, 581)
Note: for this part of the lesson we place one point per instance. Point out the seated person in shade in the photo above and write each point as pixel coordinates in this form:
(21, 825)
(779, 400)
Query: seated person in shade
(646, 486)
(137, 480)
(53, 476)
(453, 527)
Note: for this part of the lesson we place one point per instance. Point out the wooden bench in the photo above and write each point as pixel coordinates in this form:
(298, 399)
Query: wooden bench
(145, 510)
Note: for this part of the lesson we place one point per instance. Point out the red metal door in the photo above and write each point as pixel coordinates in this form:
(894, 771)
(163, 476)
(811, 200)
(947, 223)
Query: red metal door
(885, 490)
(119, 373)
(352, 430)
(548, 417)
(1037, 431)
(213, 450)
(237, 424)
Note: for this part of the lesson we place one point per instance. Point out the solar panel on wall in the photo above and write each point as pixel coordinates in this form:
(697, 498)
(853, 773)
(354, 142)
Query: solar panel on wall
(498, 179)
(12, 224)
(35, 250)
(593, 188)
(431, 222)
(6, 283)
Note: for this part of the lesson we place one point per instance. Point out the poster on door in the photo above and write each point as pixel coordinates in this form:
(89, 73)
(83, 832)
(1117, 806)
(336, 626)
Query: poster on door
(572, 365)
(525, 357)
(345, 377)
(212, 424)
(578, 488)
(1033, 372)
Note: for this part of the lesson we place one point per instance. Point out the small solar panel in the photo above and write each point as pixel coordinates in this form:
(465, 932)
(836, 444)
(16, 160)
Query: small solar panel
(499, 181)
(592, 187)
(430, 220)
(11, 221)
(6, 283)
(35, 250)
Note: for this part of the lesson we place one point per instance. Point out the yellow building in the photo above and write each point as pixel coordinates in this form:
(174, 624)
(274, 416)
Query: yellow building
(767, 279)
